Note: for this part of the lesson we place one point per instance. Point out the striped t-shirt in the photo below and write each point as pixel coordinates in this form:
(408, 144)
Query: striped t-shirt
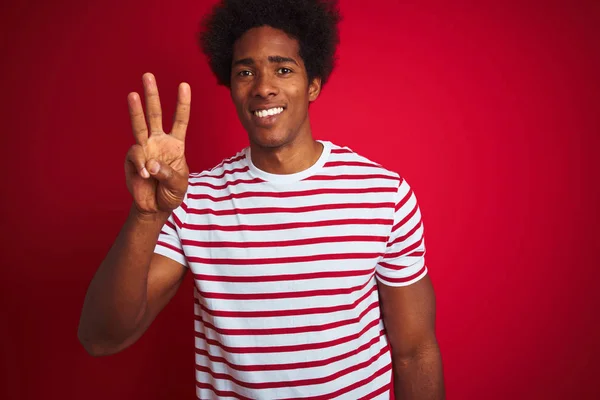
(286, 270)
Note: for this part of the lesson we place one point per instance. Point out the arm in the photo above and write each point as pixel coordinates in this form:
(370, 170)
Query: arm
(132, 285)
(407, 304)
(408, 313)
(130, 288)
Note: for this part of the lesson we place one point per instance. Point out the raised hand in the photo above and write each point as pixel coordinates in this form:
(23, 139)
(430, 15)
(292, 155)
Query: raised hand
(155, 168)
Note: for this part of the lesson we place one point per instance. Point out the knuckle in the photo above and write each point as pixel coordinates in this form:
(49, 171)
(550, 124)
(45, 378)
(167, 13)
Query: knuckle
(181, 122)
(165, 171)
(136, 155)
(137, 113)
(153, 98)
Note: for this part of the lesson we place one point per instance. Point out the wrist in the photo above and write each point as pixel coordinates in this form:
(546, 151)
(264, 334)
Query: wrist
(148, 218)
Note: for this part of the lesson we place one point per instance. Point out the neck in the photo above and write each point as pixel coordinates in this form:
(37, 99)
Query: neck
(291, 158)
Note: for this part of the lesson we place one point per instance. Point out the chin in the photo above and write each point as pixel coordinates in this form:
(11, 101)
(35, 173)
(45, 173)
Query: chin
(269, 139)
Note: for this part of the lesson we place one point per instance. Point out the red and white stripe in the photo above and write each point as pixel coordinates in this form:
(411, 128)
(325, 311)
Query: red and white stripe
(286, 271)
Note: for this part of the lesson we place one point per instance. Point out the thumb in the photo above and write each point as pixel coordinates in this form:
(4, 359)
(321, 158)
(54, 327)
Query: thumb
(166, 175)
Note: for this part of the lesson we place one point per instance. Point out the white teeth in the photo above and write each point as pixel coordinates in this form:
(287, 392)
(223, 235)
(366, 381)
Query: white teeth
(269, 112)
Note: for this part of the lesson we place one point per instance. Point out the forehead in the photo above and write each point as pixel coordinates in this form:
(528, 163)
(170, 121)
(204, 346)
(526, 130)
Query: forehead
(262, 42)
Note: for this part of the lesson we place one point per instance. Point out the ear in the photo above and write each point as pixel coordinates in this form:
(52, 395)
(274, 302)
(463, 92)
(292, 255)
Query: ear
(314, 89)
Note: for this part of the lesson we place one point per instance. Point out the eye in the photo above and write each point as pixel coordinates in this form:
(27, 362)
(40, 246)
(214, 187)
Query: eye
(245, 73)
(284, 71)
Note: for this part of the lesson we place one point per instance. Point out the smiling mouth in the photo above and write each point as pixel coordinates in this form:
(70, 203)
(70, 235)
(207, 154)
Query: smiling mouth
(269, 112)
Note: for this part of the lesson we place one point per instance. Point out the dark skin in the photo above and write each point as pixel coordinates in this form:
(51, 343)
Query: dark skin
(132, 285)
(409, 316)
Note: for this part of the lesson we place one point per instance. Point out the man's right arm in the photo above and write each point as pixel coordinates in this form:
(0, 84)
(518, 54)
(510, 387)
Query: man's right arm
(129, 289)
(133, 284)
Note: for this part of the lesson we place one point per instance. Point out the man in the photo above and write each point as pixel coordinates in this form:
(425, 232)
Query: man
(308, 259)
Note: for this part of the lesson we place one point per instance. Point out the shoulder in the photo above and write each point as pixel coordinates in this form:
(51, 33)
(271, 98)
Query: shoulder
(223, 170)
(344, 157)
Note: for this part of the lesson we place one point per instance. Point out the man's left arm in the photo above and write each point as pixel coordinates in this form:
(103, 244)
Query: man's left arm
(408, 313)
(407, 304)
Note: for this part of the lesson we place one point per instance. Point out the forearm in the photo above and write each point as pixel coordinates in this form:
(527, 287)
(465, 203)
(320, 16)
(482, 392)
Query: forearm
(116, 299)
(419, 376)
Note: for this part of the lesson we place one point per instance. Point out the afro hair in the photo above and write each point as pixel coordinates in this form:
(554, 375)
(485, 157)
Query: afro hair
(314, 23)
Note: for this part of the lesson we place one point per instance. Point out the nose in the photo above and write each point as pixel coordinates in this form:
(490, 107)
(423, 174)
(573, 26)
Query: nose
(265, 86)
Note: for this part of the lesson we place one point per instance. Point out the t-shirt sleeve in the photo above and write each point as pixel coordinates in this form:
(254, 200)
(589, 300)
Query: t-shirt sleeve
(404, 260)
(169, 241)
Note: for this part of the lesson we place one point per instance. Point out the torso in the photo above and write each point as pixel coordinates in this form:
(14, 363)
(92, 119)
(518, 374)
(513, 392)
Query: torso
(286, 294)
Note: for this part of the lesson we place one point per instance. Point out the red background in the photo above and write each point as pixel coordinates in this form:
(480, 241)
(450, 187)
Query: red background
(491, 112)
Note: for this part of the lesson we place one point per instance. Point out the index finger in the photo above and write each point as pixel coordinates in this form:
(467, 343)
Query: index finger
(182, 112)
(138, 122)
(153, 107)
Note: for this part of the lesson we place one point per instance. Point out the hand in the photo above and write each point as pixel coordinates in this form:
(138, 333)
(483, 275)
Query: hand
(155, 168)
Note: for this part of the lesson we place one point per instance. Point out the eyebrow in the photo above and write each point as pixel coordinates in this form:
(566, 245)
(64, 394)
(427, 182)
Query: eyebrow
(272, 59)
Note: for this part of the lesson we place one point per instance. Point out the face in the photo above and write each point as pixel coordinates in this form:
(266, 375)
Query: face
(270, 87)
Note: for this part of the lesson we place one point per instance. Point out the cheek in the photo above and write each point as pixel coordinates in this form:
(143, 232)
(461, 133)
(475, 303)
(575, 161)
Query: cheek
(299, 92)
(237, 94)
(238, 102)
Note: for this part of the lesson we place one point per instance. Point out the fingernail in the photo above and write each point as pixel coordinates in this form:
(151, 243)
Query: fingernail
(154, 168)
(144, 173)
